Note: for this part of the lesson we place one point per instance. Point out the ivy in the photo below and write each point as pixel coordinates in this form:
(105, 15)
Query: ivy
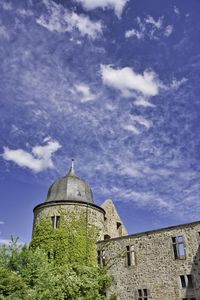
(60, 263)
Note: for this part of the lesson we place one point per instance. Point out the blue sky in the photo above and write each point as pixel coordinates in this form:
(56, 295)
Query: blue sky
(112, 83)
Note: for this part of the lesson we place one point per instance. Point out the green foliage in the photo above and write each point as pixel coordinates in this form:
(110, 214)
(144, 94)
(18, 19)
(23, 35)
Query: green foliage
(73, 242)
(69, 271)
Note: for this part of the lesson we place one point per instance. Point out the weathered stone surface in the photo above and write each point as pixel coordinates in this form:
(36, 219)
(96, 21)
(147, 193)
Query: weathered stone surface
(155, 267)
(93, 213)
(113, 225)
(151, 266)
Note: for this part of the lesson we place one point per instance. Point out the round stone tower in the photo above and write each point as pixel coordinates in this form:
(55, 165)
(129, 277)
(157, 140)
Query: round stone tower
(70, 194)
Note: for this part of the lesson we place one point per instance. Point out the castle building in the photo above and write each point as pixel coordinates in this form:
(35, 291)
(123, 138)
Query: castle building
(161, 264)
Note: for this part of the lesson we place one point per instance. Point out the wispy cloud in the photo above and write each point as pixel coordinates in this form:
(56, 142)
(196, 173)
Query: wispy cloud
(134, 32)
(141, 101)
(84, 92)
(143, 199)
(175, 84)
(131, 128)
(59, 19)
(157, 24)
(150, 28)
(2, 222)
(168, 30)
(141, 120)
(39, 160)
(4, 32)
(176, 10)
(6, 5)
(116, 5)
(128, 81)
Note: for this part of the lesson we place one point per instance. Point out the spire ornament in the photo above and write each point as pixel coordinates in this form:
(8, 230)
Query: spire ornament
(71, 170)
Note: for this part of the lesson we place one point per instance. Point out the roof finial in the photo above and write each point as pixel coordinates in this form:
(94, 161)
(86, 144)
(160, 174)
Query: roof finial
(71, 170)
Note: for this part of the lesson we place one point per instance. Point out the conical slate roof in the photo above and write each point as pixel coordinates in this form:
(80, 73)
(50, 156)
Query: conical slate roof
(70, 188)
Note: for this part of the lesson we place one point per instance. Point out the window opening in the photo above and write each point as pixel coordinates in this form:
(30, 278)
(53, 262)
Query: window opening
(101, 259)
(106, 237)
(142, 294)
(186, 281)
(130, 255)
(178, 247)
(55, 220)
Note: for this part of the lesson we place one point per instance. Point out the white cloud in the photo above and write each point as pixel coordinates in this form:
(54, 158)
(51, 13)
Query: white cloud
(168, 30)
(117, 5)
(40, 159)
(157, 24)
(143, 102)
(2, 222)
(85, 92)
(61, 20)
(128, 81)
(85, 25)
(133, 32)
(176, 10)
(131, 128)
(177, 83)
(150, 28)
(142, 121)
(150, 199)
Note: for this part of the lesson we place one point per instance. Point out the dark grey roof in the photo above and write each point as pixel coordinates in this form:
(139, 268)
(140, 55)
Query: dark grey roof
(70, 187)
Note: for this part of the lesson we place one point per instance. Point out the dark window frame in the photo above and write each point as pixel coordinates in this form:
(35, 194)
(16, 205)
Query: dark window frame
(186, 281)
(101, 258)
(55, 220)
(178, 244)
(143, 294)
(130, 256)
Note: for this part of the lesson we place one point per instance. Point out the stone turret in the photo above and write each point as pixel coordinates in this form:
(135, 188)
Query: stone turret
(70, 194)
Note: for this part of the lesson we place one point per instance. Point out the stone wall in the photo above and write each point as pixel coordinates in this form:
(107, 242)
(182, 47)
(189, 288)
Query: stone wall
(94, 214)
(113, 225)
(154, 267)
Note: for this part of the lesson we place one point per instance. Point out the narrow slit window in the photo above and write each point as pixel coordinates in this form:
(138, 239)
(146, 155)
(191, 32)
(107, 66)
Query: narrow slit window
(101, 258)
(130, 255)
(53, 221)
(183, 282)
(57, 221)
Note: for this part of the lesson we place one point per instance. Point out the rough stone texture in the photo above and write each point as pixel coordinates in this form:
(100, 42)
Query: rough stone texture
(155, 269)
(113, 225)
(93, 213)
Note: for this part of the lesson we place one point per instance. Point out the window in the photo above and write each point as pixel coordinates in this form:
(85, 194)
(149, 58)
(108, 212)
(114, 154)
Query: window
(101, 259)
(189, 299)
(186, 281)
(119, 228)
(55, 220)
(142, 294)
(178, 247)
(106, 237)
(130, 256)
(51, 255)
